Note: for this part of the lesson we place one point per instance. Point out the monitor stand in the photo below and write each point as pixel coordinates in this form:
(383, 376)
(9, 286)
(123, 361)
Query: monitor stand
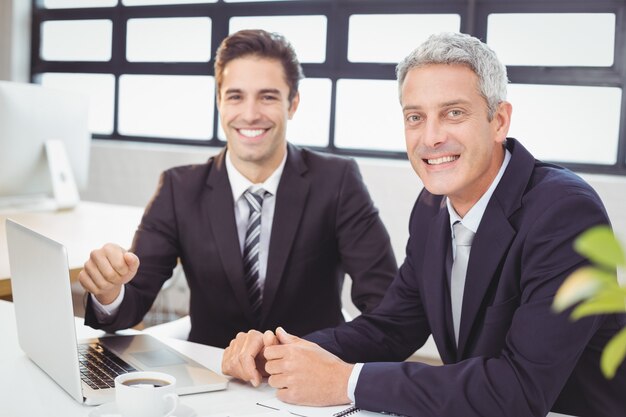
(61, 175)
(64, 191)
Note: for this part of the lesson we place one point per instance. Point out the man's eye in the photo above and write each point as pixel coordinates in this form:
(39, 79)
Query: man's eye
(412, 118)
(269, 98)
(455, 113)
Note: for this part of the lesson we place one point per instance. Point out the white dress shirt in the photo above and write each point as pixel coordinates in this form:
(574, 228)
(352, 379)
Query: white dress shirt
(471, 221)
(238, 184)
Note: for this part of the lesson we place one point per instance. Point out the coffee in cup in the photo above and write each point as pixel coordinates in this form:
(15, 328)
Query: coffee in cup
(145, 394)
(146, 382)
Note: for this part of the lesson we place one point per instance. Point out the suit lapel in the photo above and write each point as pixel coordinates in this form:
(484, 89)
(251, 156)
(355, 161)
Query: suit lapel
(221, 212)
(436, 283)
(493, 238)
(489, 248)
(291, 198)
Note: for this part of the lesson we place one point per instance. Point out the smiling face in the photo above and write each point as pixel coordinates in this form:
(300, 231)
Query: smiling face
(254, 108)
(454, 148)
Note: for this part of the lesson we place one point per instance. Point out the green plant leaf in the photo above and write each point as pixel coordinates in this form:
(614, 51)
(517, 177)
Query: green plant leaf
(607, 301)
(600, 245)
(582, 284)
(613, 354)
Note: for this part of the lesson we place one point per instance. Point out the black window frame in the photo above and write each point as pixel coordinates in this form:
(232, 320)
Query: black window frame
(473, 13)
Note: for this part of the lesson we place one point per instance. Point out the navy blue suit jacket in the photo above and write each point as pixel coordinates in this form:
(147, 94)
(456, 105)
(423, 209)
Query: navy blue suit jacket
(516, 357)
(325, 225)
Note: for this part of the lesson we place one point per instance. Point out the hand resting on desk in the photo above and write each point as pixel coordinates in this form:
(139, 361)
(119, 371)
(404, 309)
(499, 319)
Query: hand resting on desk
(244, 359)
(303, 372)
(106, 270)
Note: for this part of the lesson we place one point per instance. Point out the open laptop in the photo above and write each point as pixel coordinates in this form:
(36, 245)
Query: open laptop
(46, 329)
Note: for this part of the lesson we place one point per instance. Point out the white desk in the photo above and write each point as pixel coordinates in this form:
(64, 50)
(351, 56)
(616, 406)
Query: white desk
(86, 227)
(26, 391)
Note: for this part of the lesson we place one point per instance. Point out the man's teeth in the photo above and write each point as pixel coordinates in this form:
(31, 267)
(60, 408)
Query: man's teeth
(442, 160)
(251, 133)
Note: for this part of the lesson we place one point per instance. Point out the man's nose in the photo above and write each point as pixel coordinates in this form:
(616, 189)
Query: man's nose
(434, 133)
(251, 111)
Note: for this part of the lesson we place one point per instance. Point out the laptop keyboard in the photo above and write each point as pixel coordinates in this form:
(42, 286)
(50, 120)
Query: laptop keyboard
(99, 366)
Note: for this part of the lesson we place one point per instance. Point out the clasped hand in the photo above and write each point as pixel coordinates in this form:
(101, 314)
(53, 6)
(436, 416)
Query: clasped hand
(302, 371)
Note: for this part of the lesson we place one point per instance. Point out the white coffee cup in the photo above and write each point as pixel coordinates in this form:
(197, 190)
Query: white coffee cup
(145, 394)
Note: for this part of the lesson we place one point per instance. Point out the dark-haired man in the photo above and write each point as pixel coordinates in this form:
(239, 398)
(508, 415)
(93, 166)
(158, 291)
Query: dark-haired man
(265, 231)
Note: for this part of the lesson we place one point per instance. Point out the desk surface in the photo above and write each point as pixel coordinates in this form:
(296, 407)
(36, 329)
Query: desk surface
(27, 391)
(86, 227)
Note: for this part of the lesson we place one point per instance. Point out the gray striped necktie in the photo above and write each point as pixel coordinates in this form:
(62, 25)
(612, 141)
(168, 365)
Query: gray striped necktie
(251, 249)
(463, 238)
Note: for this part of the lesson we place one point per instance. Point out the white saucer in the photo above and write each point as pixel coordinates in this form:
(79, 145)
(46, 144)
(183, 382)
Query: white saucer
(110, 410)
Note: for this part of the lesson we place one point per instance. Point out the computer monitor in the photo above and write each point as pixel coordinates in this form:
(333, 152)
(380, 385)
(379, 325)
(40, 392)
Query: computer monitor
(44, 142)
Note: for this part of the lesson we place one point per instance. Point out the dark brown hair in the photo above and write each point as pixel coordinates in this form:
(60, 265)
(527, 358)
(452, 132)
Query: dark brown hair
(261, 44)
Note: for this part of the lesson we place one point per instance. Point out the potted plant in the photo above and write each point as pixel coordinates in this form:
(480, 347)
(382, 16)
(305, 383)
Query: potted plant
(597, 289)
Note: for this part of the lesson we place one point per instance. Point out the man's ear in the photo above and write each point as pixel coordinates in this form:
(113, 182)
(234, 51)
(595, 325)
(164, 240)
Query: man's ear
(502, 121)
(293, 106)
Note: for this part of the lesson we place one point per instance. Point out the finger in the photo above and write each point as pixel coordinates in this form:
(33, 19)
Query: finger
(269, 338)
(286, 395)
(132, 261)
(114, 257)
(94, 275)
(86, 282)
(284, 337)
(274, 367)
(277, 381)
(99, 266)
(103, 290)
(274, 352)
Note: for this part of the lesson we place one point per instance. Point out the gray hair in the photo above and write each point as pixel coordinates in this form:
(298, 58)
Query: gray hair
(459, 48)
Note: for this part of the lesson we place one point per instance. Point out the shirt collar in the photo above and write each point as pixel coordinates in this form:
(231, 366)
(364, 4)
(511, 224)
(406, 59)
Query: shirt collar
(239, 184)
(475, 214)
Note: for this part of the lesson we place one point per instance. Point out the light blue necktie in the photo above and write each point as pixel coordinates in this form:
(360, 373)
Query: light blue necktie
(463, 238)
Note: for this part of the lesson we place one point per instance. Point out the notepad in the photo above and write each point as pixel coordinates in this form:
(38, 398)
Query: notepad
(306, 411)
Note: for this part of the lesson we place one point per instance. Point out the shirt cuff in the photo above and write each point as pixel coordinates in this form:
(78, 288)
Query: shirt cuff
(354, 377)
(105, 313)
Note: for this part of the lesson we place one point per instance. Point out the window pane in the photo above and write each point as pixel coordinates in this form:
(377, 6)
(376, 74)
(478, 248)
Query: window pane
(76, 40)
(567, 123)
(184, 39)
(146, 2)
(368, 115)
(65, 4)
(582, 39)
(311, 123)
(307, 34)
(389, 37)
(166, 106)
(101, 91)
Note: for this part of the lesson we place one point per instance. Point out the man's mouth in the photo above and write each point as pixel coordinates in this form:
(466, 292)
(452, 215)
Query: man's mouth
(442, 160)
(251, 133)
